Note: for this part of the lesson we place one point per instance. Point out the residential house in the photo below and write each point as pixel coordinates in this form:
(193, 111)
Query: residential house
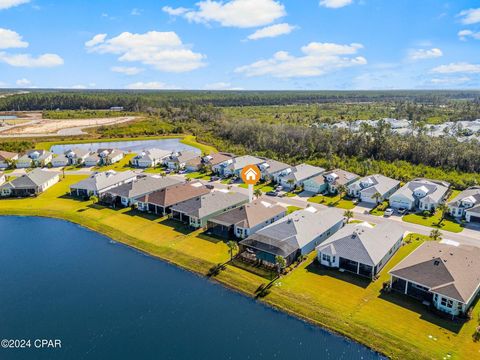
(77, 156)
(421, 194)
(60, 161)
(194, 164)
(329, 182)
(7, 159)
(294, 235)
(466, 205)
(296, 176)
(233, 167)
(271, 169)
(30, 184)
(178, 160)
(127, 194)
(443, 274)
(214, 159)
(197, 211)
(362, 249)
(99, 183)
(92, 160)
(104, 157)
(373, 189)
(150, 158)
(246, 219)
(160, 202)
(34, 158)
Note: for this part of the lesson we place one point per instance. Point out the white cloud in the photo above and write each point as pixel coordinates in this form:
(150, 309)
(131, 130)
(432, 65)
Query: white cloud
(136, 12)
(79, 87)
(233, 13)
(318, 59)
(335, 4)
(450, 81)
(221, 86)
(164, 51)
(23, 82)
(11, 39)
(460, 67)
(27, 60)
(470, 16)
(127, 70)
(6, 4)
(272, 31)
(153, 85)
(422, 54)
(465, 34)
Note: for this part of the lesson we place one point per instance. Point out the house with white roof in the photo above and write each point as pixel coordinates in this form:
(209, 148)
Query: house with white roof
(294, 235)
(97, 184)
(34, 158)
(329, 181)
(103, 157)
(60, 161)
(76, 156)
(420, 194)
(233, 167)
(30, 184)
(150, 158)
(466, 205)
(296, 176)
(373, 189)
(362, 249)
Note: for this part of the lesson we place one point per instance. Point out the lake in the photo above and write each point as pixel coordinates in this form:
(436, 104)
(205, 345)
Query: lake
(8, 117)
(104, 300)
(134, 146)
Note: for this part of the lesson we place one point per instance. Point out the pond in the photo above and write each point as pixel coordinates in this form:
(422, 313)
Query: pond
(8, 117)
(134, 146)
(104, 300)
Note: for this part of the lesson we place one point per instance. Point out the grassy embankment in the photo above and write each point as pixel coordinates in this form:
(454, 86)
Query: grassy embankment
(394, 325)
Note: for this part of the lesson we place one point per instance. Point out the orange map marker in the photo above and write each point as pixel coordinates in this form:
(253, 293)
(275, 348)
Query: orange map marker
(251, 174)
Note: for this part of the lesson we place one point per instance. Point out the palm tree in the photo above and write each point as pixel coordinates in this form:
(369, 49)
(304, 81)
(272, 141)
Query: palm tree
(257, 193)
(232, 248)
(290, 183)
(443, 208)
(348, 214)
(436, 235)
(342, 190)
(281, 263)
(377, 196)
(188, 179)
(94, 199)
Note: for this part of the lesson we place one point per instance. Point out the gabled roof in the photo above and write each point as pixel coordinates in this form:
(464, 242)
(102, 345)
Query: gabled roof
(379, 183)
(435, 189)
(79, 152)
(175, 194)
(153, 154)
(270, 166)
(453, 271)
(183, 156)
(343, 177)
(240, 162)
(302, 172)
(218, 158)
(33, 179)
(363, 243)
(103, 180)
(473, 192)
(210, 203)
(7, 156)
(142, 186)
(250, 215)
(294, 231)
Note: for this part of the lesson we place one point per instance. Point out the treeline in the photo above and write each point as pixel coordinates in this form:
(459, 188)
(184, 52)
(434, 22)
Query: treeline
(142, 100)
(16, 146)
(371, 150)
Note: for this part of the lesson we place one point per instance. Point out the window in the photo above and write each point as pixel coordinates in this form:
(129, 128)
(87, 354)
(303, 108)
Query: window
(325, 257)
(446, 302)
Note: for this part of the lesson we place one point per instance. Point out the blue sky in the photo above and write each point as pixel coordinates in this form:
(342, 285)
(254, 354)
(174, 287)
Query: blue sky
(240, 44)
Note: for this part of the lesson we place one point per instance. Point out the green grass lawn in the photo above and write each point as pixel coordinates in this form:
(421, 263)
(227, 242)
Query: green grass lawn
(397, 326)
(291, 209)
(122, 165)
(333, 200)
(198, 176)
(380, 209)
(260, 186)
(432, 221)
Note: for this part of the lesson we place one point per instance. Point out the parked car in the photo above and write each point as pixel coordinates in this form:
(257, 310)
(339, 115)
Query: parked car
(279, 188)
(214, 178)
(209, 186)
(272, 193)
(388, 212)
(402, 211)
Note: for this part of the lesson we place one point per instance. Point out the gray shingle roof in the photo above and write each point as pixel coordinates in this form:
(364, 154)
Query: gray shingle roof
(241, 161)
(378, 183)
(103, 180)
(143, 186)
(271, 167)
(473, 192)
(363, 243)
(153, 154)
(33, 179)
(453, 271)
(210, 203)
(302, 172)
(436, 190)
(344, 177)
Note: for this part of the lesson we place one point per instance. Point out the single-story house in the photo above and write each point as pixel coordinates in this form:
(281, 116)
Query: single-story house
(466, 205)
(233, 167)
(92, 160)
(29, 184)
(294, 235)
(215, 159)
(160, 202)
(421, 194)
(60, 161)
(3, 178)
(34, 158)
(7, 159)
(77, 156)
(150, 158)
(362, 249)
(246, 219)
(178, 160)
(443, 274)
(270, 169)
(127, 194)
(368, 187)
(330, 181)
(98, 183)
(296, 176)
(103, 157)
(197, 211)
(194, 164)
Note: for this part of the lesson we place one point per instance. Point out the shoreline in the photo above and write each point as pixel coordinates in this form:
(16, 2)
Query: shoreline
(227, 285)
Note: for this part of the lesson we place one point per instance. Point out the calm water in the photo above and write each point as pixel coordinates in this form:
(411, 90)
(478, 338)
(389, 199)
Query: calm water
(107, 301)
(8, 117)
(133, 146)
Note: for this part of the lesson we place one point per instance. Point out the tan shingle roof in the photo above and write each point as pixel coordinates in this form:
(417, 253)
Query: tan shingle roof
(175, 194)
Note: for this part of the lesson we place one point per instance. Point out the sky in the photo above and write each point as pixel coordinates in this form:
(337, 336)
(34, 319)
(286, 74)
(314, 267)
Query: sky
(240, 44)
